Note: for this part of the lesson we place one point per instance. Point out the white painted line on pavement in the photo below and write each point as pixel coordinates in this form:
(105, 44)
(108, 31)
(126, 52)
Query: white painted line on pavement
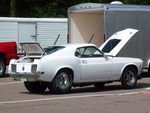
(148, 88)
(7, 83)
(130, 93)
(70, 97)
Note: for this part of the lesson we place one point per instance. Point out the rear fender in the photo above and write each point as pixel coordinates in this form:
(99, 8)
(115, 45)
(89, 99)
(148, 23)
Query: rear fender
(63, 67)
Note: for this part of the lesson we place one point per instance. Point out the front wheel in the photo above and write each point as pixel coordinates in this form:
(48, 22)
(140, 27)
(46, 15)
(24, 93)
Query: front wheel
(36, 87)
(62, 83)
(2, 68)
(129, 78)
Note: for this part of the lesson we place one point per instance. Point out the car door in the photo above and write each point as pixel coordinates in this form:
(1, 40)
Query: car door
(95, 66)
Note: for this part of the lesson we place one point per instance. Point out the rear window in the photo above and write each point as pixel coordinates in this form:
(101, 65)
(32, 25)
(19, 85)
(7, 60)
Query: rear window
(52, 49)
(110, 45)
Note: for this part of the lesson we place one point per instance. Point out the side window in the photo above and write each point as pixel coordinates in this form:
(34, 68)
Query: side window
(77, 53)
(88, 52)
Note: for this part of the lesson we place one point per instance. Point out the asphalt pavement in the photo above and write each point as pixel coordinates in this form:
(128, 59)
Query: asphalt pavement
(14, 98)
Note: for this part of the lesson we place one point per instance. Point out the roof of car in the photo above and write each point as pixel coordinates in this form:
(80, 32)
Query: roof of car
(78, 45)
(70, 49)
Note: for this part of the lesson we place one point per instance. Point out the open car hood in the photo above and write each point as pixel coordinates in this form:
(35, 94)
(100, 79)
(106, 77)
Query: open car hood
(115, 43)
(32, 49)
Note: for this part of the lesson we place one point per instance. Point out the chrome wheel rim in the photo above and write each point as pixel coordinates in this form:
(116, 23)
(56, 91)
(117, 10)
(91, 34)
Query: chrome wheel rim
(130, 77)
(63, 80)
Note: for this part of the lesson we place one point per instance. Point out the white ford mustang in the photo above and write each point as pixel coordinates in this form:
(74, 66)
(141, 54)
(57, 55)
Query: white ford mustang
(61, 67)
(72, 65)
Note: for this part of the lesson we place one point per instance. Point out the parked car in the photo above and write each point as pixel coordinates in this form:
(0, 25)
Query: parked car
(72, 65)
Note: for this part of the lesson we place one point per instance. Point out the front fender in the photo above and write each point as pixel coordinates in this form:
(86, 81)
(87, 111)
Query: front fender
(129, 64)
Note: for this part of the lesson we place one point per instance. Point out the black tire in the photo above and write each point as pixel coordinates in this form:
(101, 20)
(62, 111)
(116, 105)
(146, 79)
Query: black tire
(99, 85)
(2, 67)
(129, 78)
(62, 83)
(36, 87)
(149, 69)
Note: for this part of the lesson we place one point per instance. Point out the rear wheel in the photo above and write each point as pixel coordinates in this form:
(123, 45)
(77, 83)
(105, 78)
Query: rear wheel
(2, 67)
(62, 83)
(129, 78)
(36, 87)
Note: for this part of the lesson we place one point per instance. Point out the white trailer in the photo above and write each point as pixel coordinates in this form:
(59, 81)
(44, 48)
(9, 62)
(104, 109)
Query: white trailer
(96, 22)
(42, 30)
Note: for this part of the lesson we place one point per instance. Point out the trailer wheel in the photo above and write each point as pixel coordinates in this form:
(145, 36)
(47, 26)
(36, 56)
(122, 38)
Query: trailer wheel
(2, 67)
(36, 87)
(129, 78)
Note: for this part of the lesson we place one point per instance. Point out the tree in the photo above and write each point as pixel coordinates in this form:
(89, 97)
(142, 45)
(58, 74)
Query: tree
(13, 10)
(48, 8)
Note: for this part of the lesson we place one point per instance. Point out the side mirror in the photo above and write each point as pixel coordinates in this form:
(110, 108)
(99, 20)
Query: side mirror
(106, 57)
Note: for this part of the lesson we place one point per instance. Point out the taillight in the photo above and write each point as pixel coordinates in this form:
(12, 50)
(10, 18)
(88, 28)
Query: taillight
(13, 67)
(34, 68)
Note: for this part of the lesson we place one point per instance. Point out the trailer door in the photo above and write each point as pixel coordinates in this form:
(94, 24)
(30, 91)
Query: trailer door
(85, 26)
(27, 32)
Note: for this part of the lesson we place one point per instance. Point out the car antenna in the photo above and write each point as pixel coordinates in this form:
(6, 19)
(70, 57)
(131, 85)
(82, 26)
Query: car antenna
(96, 28)
(56, 39)
(91, 38)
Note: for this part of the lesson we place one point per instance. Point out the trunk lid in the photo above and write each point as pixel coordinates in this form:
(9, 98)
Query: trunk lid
(115, 43)
(32, 49)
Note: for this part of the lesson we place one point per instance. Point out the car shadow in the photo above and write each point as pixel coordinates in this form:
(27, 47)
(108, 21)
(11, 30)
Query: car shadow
(91, 89)
(108, 88)
(145, 74)
(5, 76)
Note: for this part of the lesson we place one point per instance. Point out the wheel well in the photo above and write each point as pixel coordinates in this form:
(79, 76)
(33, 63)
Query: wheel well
(133, 66)
(2, 56)
(67, 69)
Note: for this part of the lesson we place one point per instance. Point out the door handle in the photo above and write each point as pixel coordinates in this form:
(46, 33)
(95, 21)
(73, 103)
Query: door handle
(33, 36)
(84, 61)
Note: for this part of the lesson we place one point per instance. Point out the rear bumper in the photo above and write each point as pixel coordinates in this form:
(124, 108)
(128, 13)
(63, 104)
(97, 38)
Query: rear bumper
(24, 76)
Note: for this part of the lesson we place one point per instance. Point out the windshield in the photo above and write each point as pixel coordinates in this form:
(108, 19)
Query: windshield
(110, 45)
(52, 49)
